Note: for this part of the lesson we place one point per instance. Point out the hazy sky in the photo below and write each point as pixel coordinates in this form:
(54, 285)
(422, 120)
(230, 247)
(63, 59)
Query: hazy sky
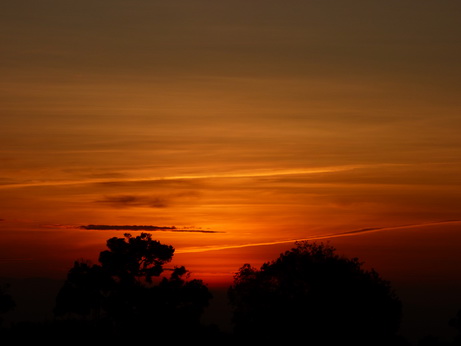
(238, 123)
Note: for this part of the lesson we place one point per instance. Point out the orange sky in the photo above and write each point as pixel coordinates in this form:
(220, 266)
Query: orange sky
(259, 122)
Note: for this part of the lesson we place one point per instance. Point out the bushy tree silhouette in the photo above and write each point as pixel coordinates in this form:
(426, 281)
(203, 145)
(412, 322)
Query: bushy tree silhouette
(120, 294)
(313, 296)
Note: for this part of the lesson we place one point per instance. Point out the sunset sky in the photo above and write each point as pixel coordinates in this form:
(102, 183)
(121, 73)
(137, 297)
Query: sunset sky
(231, 129)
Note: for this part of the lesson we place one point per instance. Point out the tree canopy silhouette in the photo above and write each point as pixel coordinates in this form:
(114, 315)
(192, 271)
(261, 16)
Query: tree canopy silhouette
(456, 323)
(313, 295)
(120, 291)
(6, 300)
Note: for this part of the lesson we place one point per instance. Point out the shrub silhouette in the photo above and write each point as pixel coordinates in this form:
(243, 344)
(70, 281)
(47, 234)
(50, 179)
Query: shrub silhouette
(313, 296)
(120, 296)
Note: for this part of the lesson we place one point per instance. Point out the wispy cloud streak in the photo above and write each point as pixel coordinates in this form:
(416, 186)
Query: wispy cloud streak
(254, 174)
(316, 237)
(126, 201)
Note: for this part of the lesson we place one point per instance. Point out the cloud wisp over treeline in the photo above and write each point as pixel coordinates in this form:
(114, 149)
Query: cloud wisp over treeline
(320, 237)
(149, 228)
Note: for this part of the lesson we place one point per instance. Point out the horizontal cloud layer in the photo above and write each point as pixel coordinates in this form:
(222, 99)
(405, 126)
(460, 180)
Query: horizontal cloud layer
(143, 228)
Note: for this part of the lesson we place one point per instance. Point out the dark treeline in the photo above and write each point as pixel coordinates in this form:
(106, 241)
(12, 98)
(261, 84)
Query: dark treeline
(309, 296)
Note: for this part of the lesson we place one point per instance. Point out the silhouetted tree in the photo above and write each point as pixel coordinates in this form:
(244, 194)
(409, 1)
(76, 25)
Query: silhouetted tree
(120, 292)
(455, 322)
(6, 301)
(313, 296)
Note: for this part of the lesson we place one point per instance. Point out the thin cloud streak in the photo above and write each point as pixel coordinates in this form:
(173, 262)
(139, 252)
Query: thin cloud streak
(270, 173)
(126, 201)
(144, 228)
(319, 237)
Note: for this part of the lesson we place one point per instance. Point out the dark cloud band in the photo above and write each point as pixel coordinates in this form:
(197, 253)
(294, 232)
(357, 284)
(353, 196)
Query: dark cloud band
(149, 228)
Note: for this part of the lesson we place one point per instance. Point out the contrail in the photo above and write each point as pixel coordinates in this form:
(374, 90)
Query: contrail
(317, 237)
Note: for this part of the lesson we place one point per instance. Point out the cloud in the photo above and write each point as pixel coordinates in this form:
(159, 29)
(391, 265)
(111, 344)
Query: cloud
(59, 225)
(391, 228)
(163, 179)
(318, 237)
(144, 228)
(127, 201)
(131, 201)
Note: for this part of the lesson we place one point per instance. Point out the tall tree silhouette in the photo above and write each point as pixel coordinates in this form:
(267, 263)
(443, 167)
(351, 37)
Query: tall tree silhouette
(314, 296)
(120, 293)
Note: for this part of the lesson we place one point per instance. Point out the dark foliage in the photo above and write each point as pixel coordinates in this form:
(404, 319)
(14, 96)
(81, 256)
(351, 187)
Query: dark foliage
(119, 295)
(6, 300)
(313, 296)
(308, 296)
(455, 322)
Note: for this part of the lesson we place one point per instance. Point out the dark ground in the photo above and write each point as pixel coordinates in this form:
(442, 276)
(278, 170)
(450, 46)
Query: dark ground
(427, 310)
